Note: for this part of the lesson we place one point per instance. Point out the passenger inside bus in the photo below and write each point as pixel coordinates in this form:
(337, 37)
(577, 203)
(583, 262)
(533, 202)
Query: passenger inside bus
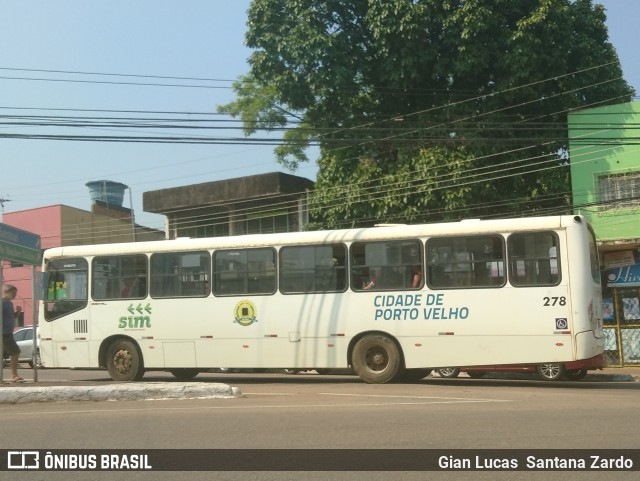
(416, 276)
(375, 280)
(127, 290)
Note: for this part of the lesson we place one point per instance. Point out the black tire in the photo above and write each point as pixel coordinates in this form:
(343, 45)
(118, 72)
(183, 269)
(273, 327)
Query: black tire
(449, 372)
(476, 374)
(323, 372)
(412, 375)
(124, 361)
(376, 359)
(576, 374)
(184, 374)
(551, 371)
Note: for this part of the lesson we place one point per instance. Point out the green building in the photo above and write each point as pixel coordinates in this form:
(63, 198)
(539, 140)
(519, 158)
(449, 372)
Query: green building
(604, 146)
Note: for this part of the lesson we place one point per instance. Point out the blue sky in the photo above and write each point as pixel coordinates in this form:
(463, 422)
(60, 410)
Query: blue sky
(196, 39)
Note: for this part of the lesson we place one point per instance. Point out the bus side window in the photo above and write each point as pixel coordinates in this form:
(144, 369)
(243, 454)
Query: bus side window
(313, 268)
(244, 271)
(119, 277)
(180, 274)
(462, 262)
(385, 265)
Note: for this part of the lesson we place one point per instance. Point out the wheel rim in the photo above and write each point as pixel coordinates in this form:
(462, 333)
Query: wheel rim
(447, 371)
(550, 371)
(122, 361)
(377, 359)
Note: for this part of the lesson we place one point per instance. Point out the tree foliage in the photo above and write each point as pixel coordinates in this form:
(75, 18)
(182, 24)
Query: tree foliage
(426, 109)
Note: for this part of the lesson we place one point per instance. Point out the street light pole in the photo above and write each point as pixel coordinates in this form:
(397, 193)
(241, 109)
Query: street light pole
(133, 221)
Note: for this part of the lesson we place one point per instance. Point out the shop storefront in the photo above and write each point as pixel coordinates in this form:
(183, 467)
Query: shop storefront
(621, 307)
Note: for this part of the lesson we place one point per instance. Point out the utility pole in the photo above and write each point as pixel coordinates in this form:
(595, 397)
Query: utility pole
(2, 202)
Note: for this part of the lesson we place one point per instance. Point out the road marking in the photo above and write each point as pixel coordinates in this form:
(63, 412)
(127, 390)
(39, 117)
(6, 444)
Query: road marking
(32, 414)
(448, 399)
(270, 393)
(418, 401)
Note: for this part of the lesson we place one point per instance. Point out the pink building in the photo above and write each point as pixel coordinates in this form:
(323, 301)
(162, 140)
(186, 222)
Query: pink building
(61, 225)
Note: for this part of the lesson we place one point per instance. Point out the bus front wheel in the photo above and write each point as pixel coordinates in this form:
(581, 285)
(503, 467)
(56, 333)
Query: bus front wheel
(449, 372)
(376, 359)
(124, 362)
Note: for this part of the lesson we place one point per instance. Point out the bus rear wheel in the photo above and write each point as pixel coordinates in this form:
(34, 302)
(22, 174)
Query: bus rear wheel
(576, 374)
(376, 359)
(124, 361)
(551, 371)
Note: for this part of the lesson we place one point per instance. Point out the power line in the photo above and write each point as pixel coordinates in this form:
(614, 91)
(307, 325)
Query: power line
(460, 124)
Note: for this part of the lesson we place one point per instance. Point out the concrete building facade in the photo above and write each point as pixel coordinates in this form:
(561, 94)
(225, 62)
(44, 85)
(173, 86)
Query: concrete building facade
(265, 203)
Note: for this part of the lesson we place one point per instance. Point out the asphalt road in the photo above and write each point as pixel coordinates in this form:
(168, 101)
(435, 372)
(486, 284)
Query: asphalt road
(313, 412)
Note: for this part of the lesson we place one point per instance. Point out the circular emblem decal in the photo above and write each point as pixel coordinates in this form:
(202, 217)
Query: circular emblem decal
(245, 313)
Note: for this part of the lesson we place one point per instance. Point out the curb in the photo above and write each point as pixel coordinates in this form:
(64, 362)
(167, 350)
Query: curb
(118, 392)
(613, 377)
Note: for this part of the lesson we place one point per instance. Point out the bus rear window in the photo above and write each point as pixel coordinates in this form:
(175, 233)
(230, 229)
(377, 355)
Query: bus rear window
(533, 259)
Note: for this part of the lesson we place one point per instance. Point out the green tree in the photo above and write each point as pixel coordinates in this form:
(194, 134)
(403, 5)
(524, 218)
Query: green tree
(426, 110)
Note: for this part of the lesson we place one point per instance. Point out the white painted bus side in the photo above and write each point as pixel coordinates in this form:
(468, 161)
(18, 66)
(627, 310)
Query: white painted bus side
(514, 316)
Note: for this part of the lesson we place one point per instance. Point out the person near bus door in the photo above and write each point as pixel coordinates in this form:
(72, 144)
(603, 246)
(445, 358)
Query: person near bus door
(8, 342)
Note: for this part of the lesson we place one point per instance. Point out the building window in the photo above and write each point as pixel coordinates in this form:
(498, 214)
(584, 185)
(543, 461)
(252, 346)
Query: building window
(268, 222)
(619, 190)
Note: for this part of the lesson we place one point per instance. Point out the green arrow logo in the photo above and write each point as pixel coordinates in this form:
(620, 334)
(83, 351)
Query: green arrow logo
(139, 308)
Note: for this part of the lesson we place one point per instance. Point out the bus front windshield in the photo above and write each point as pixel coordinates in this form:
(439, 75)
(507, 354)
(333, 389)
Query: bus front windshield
(66, 287)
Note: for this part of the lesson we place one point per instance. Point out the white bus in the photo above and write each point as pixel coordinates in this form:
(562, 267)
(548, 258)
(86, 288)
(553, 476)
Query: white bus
(391, 302)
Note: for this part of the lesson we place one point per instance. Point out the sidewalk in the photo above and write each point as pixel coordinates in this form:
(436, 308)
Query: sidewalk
(615, 374)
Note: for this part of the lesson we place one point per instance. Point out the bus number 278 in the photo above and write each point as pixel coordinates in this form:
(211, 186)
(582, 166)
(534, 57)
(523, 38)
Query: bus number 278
(554, 301)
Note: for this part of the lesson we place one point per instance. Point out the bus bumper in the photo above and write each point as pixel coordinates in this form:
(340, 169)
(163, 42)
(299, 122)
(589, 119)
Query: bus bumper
(597, 362)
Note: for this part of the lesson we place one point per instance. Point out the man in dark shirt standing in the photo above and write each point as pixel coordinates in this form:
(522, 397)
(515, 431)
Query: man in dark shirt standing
(8, 342)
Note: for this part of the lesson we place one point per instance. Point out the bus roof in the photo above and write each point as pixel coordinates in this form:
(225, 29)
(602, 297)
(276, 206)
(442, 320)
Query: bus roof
(464, 227)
